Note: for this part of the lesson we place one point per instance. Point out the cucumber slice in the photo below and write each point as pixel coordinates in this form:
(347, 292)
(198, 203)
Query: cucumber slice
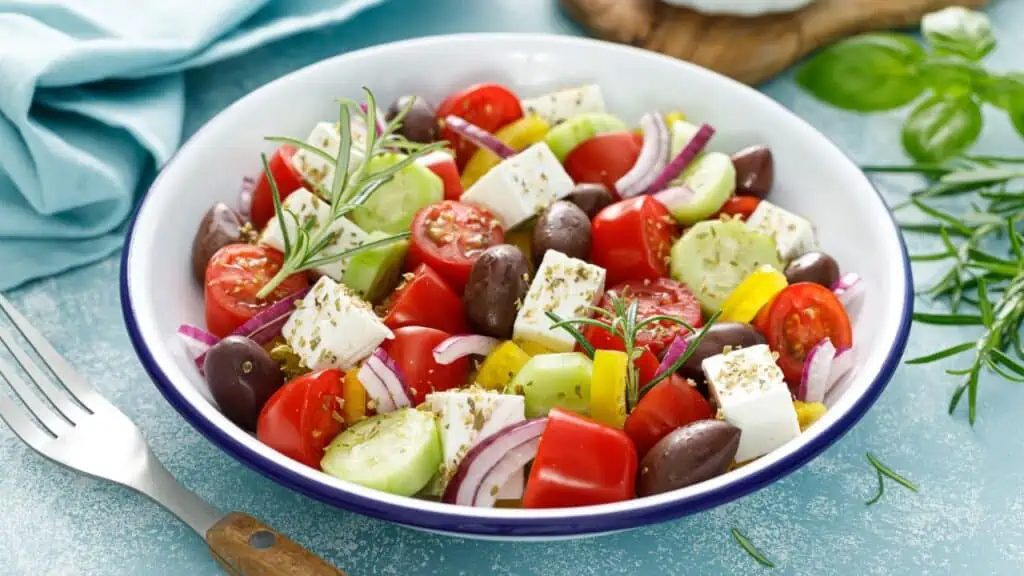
(682, 132)
(714, 256)
(712, 178)
(550, 380)
(393, 205)
(374, 273)
(398, 452)
(574, 131)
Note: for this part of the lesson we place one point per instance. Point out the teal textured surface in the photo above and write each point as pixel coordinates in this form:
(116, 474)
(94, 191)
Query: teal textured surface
(967, 519)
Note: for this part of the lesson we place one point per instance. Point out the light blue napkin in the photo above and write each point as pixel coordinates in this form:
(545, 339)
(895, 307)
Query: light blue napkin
(92, 97)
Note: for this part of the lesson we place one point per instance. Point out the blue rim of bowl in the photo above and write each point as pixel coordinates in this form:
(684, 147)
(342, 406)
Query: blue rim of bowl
(457, 523)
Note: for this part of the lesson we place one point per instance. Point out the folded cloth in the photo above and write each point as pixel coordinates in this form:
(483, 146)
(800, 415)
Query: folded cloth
(92, 97)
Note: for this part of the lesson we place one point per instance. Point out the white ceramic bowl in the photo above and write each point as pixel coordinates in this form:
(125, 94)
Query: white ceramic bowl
(741, 7)
(813, 177)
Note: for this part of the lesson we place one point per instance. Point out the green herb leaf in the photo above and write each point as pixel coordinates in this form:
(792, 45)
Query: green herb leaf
(984, 177)
(867, 73)
(952, 221)
(887, 472)
(957, 30)
(1001, 357)
(944, 353)
(941, 127)
(951, 76)
(568, 327)
(1016, 112)
(948, 319)
(1001, 90)
(750, 549)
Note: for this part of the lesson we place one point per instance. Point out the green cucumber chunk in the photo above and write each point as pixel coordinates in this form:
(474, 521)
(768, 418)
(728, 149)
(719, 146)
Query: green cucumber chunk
(574, 131)
(374, 273)
(398, 452)
(714, 256)
(558, 380)
(391, 208)
(682, 132)
(712, 178)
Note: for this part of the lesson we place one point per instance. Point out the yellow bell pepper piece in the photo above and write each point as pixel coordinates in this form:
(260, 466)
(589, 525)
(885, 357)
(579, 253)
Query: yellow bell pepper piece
(756, 290)
(518, 135)
(673, 117)
(354, 408)
(608, 388)
(501, 365)
(533, 348)
(522, 237)
(808, 413)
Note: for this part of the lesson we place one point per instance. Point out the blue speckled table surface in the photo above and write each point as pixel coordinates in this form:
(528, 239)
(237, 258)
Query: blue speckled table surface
(967, 519)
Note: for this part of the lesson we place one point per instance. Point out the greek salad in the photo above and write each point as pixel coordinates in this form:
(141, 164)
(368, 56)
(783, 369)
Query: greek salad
(517, 302)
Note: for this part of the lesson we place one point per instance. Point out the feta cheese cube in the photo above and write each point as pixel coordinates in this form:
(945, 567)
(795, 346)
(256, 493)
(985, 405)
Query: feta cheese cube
(467, 417)
(752, 395)
(303, 208)
(565, 286)
(326, 136)
(561, 105)
(333, 328)
(521, 186)
(793, 234)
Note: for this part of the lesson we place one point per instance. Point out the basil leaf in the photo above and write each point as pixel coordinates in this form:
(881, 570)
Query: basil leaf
(1002, 89)
(952, 76)
(957, 30)
(865, 73)
(1016, 112)
(941, 127)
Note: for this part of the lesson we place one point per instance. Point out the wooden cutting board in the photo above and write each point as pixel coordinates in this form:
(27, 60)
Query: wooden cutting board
(750, 50)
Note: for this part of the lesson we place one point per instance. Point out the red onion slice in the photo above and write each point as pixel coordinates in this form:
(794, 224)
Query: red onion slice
(376, 389)
(843, 362)
(385, 369)
(676, 349)
(197, 342)
(245, 197)
(486, 456)
(675, 197)
(652, 160)
(463, 345)
(479, 136)
(814, 381)
(684, 158)
(850, 289)
(499, 475)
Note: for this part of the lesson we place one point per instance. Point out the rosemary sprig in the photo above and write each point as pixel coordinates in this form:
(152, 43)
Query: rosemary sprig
(304, 245)
(883, 473)
(750, 549)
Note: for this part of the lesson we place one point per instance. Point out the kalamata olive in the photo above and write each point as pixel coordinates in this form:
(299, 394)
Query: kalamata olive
(720, 335)
(694, 453)
(242, 377)
(497, 284)
(755, 171)
(220, 226)
(816, 267)
(419, 125)
(591, 198)
(563, 227)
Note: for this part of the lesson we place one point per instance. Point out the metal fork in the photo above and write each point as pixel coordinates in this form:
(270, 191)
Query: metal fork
(79, 429)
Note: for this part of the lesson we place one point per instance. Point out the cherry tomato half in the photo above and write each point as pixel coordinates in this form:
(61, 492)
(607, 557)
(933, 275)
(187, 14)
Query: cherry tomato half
(604, 158)
(235, 274)
(661, 297)
(739, 207)
(632, 240)
(449, 236)
(303, 416)
(489, 106)
(412, 349)
(800, 317)
(670, 404)
(425, 299)
(288, 180)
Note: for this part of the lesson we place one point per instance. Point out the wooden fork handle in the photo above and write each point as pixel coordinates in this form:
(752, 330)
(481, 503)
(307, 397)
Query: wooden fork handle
(244, 546)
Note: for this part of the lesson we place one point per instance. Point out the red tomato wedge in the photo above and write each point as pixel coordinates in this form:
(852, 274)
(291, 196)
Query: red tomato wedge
(412, 349)
(604, 158)
(234, 276)
(661, 297)
(489, 106)
(288, 180)
(632, 240)
(303, 416)
(425, 299)
(739, 207)
(670, 404)
(449, 236)
(568, 471)
(443, 164)
(801, 316)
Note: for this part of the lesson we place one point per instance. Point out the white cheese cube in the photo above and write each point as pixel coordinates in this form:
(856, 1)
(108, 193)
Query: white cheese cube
(561, 105)
(752, 395)
(793, 234)
(326, 136)
(333, 328)
(303, 208)
(565, 286)
(467, 417)
(521, 186)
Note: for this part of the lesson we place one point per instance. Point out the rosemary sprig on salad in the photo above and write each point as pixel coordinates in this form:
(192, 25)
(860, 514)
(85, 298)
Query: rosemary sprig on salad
(347, 191)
